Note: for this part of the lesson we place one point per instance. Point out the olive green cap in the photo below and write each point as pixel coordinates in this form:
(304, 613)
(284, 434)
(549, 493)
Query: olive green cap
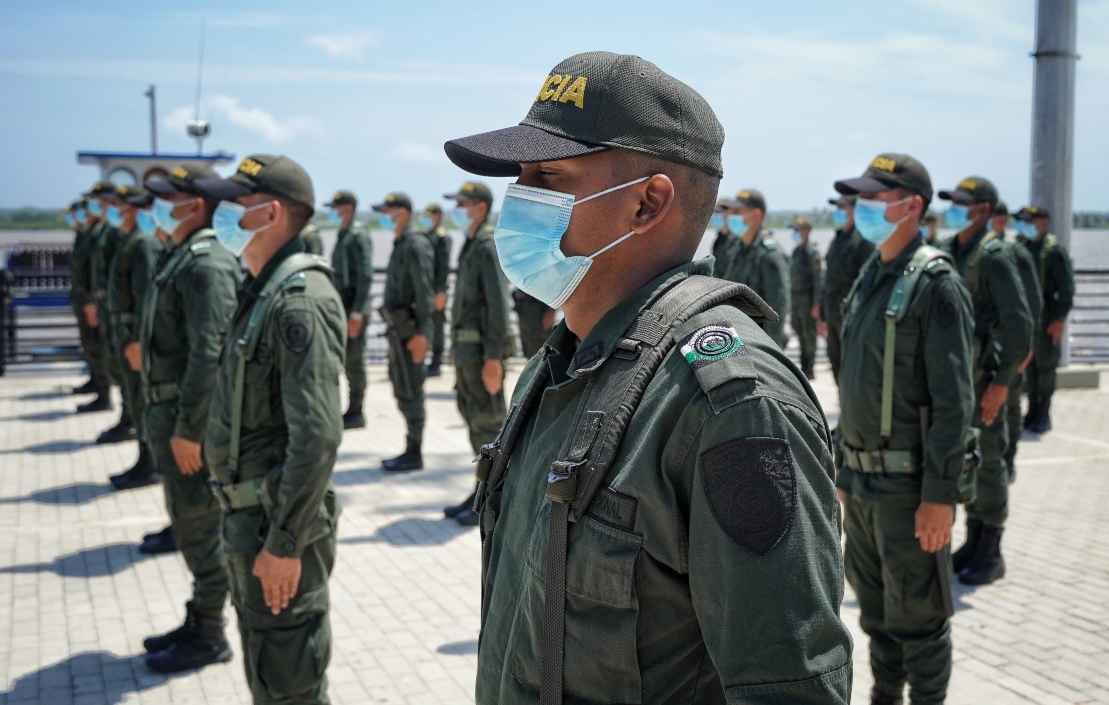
(99, 189)
(182, 177)
(596, 101)
(276, 175)
(890, 170)
(1032, 212)
(472, 191)
(124, 194)
(843, 200)
(395, 200)
(749, 198)
(801, 224)
(721, 205)
(342, 198)
(1000, 208)
(976, 189)
(433, 208)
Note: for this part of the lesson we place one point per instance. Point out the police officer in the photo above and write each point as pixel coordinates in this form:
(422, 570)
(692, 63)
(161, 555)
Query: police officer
(431, 221)
(1002, 335)
(928, 228)
(91, 278)
(275, 430)
(352, 261)
(711, 533)
(536, 320)
(722, 245)
(78, 297)
(310, 238)
(847, 254)
(184, 320)
(806, 283)
(902, 443)
(407, 305)
(480, 337)
(756, 258)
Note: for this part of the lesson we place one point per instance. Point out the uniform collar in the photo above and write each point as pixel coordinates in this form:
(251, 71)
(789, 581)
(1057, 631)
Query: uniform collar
(410, 229)
(253, 287)
(761, 235)
(957, 247)
(897, 265)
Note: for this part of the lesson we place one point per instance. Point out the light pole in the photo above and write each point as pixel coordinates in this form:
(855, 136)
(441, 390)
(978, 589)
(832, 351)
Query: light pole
(151, 94)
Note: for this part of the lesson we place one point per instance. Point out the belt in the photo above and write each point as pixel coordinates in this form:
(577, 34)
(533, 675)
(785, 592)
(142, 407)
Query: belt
(158, 393)
(116, 319)
(241, 495)
(467, 335)
(879, 462)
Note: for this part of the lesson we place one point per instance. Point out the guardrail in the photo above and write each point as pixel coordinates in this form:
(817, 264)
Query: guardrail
(1089, 319)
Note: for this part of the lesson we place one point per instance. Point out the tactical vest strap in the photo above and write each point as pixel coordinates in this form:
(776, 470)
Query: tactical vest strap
(971, 276)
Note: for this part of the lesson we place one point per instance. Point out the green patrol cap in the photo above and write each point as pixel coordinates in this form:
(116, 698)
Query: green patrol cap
(1031, 213)
(721, 205)
(890, 170)
(749, 198)
(801, 224)
(124, 194)
(342, 198)
(843, 200)
(276, 175)
(395, 200)
(472, 191)
(182, 177)
(100, 188)
(1000, 208)
(433, 208)
(596, 101)
(976, 189)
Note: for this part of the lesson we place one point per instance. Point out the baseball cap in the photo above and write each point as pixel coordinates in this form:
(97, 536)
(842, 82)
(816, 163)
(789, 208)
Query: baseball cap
(394, 200)
(472, 191)
(276, 175)
(182, 177)
(721, 205)
(1000, 208)
(100, 188)
(433, 208)
(749, 198)
(1031, 213)
(890, 170)
(125, 193)
(342, 198)
(843, 200)
(596, 101)
(801, 224)
(973, 188)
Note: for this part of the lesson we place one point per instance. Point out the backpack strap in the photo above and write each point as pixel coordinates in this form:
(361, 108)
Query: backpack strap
(971, 276)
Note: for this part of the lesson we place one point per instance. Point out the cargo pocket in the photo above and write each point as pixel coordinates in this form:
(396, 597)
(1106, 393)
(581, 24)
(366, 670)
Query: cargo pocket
(290, 662)
(912, 586)
(242, 530)
(256, 393)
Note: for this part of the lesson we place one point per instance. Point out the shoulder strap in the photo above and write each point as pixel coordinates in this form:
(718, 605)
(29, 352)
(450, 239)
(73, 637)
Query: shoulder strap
(201, 242)
(970, 278)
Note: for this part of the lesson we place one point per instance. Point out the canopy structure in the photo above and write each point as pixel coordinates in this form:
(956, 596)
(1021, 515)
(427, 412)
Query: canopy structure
(133, 168)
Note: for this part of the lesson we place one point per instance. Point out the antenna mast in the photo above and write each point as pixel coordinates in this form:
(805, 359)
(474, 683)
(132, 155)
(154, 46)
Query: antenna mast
(199, 129)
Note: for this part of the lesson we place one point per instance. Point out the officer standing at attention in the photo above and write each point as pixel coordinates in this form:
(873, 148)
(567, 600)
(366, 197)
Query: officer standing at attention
(536, 320)
(480, 337)
(699, 562)
(1002, 338)
(757, 259)
(407, 307)
(722, 245)
(352, 262)
(431, 221)
(847, 254)
(184, 319)
(275, 430)
(1057, 284)
(899, 492)
(78, 297)
(806, 283)
(94, 274)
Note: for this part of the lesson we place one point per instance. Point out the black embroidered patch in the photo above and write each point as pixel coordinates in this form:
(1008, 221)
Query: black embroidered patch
(614, 509)
(296, 329)
(586, 355)
(201, 280)
(750, 487)
(945, 308)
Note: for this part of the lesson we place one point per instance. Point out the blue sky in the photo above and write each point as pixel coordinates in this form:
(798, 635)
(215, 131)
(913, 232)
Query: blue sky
(363, 94)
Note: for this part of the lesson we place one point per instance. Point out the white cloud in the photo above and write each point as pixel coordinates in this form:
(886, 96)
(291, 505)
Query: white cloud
(344, 46)
(261, 122)
(417, 153)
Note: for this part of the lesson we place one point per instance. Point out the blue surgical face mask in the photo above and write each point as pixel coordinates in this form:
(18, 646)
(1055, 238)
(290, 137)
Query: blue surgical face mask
(797, 237)
(957, 217)
(385, 222)
(870, 219)
(163, 214)
(95, 209)
(716, 221)
(79, 216)
(839, 218)
(115, 218)
(70, 221)
(736, 224)
(144, 219)
(461, 218)
(528, 237)
(425, 222)
(225, 221)
(334, 217)
(1026, 229)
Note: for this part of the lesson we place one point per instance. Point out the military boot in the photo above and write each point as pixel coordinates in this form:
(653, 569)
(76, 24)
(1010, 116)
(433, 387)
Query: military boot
(987, 565)
(1033, 411)
(1042, 422)
(877, 697)
(140, 475)
(961, 557)
(807, 370)
(435, 368)
(164, 541)
(86, 388)
(159, 642)
(1011, 462)
(102, 402)
(201, 643)
(354, 418)
(411, 459)
(120, 433)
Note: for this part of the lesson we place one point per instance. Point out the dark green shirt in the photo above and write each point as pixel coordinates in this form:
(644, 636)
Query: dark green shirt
(79, 266)
(441, 246)
(310, 237)
(353, 263)
(806, 276)
(130, 280)
(1056, 278)
(763, 266)
(101, 253)
(845, 259)
(408, 280)
(721, 249)
(479, 316)
(932, 368)
(1029, 278)
(662, 605)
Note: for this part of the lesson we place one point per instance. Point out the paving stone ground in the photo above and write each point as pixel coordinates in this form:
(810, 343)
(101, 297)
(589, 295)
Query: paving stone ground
(76, 597)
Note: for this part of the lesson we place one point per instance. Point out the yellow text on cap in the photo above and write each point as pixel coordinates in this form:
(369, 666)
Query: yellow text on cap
(180, 172)
(968, 184)
(884, 163)
(337, 196)
(250, 167)
(555, 90)
(467, 187)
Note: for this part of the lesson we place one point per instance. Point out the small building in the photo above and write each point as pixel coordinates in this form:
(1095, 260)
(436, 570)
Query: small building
(133, 168)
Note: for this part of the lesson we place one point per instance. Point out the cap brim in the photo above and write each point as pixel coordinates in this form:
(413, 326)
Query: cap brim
(862, 184)
(159, 185)
(221, 189)
(956, 195)
(140, 201)
(501, 152)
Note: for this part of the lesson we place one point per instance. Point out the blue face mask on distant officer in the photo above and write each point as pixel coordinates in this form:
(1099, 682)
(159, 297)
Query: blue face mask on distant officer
(95, 209)
(385, 222)
(1027, 229)
(114, 217)
(225, 221)
(528, 237)
(335, 218)
(163, 214)
(797, 237)
(957, 217)
(870, 219)
(461, 218)
(736, 224)
(716, 221)
(425, 222)
(839, 218)
(70, 221)
(145, 221)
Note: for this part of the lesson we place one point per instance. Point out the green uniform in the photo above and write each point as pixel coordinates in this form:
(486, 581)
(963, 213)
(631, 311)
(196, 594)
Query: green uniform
(677, 589)
(183, 322)
(1057, 283)
(479, 332)
(896, 582)
(353, 263)
(79, 295)
(806, 278)
(441, 247)
(278, 496)
(763, 266)
(721, 249)
(409, 290)
(846, 256)
(1033, 296)
(1002, 332)
(103, 251)
(310, 236)
(529, 316)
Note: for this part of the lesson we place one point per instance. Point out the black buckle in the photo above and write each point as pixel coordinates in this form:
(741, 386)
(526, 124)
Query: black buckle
(562, 470)
(484, 459)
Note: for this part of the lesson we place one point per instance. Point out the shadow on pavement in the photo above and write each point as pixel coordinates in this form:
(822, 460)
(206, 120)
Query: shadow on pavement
(369, 475)
(45, 416)
(88, 563)
(414, 531)
(459, 648)
(52, 447)
(958, 591)
(42, 396)
(440, 396)
(78, 493)
(93, 676)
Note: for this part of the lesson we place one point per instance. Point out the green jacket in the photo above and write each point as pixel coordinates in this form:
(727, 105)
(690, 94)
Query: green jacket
(353, 262)
(130, 278)
(79, 266)
(408, 280)
(721, 252)
(763, 266)
(1029, 278)
(181, 330)
(663, 605)
(103, 250)
(441, 246)
(1002, 321)
(845, 259)
(1056, 278)
(292, 420)
(806, 276)
(310, 236)
(932, 368)
(479, 315)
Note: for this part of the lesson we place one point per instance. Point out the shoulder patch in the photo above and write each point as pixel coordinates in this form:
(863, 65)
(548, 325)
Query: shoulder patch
(614, 509)
(710, 344)
(296, 329)
(993, 245)
(200, 248)
(201, 280)
(750, 488)
(770, 244)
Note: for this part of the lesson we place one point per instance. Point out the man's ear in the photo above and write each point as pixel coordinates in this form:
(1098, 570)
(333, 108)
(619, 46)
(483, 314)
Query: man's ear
(656, 196)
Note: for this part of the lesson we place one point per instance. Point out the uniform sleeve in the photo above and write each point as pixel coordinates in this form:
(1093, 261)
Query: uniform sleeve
(364, 277)
(495, 334)
(79, 270)
(442, 262)
(765, 565)
(308, 339)
(144, 259)
(1062, 274)
(1012, 333)
(776, 283)
(817, 273)
(421, 269)
(208, 290)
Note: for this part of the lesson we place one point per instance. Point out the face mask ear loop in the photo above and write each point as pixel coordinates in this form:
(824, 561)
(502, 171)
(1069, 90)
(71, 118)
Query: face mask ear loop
(897, 203)
(610, 190)
(611, 245)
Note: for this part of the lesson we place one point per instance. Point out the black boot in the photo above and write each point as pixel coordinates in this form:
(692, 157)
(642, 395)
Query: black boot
(1011, 462)
(410, 460)
(160, 642)
(1033, 411)
(807, 370)
(435, 368)
(120, 433)
(86, 388)
(354, 418)
(140, 475)
(163, 541)
(961, 557)
(102, 402)
(1042, 422)
(987, 565)
(454, 510)
(877, 697)
(201, 643)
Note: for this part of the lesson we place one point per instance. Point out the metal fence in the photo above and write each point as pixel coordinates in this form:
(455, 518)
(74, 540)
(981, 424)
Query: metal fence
(1089, 319)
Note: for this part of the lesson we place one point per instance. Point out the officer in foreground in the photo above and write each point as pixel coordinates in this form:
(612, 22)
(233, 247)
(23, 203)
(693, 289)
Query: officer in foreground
(757, 260)
(352, 263)
(847, 253)
(406, 308)
(1002, 336)
(904, 420)
(91, 277)
(276, 428)
(431, 221)
(78, 297)
(806, 283)
(698, 561)
(1057, 284)
(480, 338)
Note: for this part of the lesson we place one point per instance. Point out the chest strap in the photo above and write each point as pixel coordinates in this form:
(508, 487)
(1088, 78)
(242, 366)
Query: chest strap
(973, 269)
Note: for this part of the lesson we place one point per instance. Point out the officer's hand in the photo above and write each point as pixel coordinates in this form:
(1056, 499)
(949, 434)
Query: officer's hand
(440, 301)
(842, 496)
(815, 312)
(1055, 330)
(90, 315)
(280, 578)
(354, 326)
(186, 453)
(492, 376)
(992, 400)
(821, 328)
(417, 345)
(547, 321)
(933, 525)
(133, 353)
(1027, 361)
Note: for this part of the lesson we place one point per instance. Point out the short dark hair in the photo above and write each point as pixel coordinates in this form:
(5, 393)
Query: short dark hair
(299, 214)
